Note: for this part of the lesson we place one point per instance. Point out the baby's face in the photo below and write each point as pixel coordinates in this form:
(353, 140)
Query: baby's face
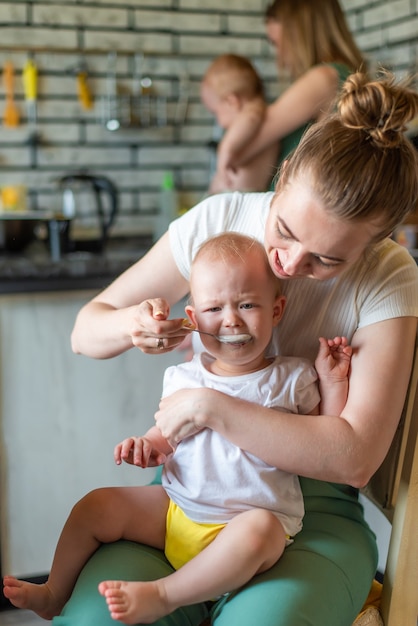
(224, 109)
(235, 297)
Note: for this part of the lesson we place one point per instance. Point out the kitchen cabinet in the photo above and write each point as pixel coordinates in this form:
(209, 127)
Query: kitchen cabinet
(60, 416)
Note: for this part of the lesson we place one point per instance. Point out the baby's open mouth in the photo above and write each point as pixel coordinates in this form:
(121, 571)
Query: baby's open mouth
(231, 339)
(235, 339)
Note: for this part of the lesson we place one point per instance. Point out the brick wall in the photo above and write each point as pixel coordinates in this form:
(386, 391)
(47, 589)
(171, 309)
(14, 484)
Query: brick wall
(178, 39)
(387, 30)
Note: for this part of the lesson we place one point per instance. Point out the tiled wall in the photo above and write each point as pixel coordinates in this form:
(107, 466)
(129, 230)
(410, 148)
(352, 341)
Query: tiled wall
(178, 39)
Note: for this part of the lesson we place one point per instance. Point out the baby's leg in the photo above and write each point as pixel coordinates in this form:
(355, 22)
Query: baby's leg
(250, 544)
(102, 516)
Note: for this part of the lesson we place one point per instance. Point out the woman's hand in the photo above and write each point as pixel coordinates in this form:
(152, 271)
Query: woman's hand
(152, 331)
(113, 321)
(186, 412)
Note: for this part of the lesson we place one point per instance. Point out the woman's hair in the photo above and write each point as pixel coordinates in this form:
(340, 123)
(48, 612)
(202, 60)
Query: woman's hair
(234, 74)
(358, 161)
(313, 32)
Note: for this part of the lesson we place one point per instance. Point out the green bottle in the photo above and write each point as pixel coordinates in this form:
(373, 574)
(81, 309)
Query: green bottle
(168, 206)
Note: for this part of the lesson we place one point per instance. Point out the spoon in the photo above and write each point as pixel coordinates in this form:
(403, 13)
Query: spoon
(232, 339)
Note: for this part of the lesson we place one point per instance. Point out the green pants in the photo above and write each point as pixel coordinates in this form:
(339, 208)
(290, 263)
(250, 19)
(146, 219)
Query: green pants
(322, 579)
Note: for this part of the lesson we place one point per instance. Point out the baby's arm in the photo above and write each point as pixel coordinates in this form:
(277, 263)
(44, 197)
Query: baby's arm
(147, 451)
(332, 365)
(244, 128)
(221, 181)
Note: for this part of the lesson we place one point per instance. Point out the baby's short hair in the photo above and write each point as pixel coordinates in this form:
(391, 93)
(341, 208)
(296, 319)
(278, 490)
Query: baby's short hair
(232, 246)
(234, 74)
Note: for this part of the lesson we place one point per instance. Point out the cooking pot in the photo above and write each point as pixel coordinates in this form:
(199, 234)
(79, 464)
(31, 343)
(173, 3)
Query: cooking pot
(90, 204)
(18, 229)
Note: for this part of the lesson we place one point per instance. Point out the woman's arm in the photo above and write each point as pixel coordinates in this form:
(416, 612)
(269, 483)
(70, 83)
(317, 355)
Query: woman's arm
(345, 449)
(306, 99)
(113, 321)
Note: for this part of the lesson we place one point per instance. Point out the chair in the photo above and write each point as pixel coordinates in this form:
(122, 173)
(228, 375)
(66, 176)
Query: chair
(394, 489)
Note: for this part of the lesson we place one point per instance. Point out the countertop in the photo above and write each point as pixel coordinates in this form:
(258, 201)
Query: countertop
(33, 270)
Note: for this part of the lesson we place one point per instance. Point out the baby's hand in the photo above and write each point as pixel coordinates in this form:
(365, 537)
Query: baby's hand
(138, 451)
(334, 358)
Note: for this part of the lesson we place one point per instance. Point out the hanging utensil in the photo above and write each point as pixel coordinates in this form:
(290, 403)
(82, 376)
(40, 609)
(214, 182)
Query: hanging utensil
(136, 99)
(143, 90)
(30, 84)
(85, 97)
(138, 62)
(112, 120)
(11, 114)
(183, 96)
(84, 94)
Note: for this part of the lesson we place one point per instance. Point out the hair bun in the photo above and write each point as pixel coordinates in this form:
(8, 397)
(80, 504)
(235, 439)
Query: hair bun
(378, 107)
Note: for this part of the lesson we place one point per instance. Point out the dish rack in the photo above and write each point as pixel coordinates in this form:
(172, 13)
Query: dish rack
(144, 107)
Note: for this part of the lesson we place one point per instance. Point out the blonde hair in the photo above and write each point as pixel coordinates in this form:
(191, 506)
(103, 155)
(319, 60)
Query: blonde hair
(234, 74)
(358, 161)
(313, 32)
(230, 247)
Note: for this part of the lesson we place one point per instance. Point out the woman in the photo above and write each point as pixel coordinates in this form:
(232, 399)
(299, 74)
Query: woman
(314, 45)
(353, 177)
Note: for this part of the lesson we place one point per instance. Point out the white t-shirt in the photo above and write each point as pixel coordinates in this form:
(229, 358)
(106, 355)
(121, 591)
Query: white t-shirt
(380, 287)
(211, 479)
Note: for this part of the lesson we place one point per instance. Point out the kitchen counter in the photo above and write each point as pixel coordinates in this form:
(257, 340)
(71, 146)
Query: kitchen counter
(34, 271)
(53, 404)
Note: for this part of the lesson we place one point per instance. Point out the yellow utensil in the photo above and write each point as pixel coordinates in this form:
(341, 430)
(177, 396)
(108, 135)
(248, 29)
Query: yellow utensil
(83, 90)
(30, 84)
(11, 114)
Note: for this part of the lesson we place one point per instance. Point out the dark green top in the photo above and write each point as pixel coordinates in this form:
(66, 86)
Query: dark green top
(289, 143)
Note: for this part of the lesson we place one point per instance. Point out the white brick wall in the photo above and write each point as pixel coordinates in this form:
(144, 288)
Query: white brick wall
(184, 35)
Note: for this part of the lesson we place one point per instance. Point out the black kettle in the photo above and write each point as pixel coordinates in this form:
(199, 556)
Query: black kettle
(89, 208)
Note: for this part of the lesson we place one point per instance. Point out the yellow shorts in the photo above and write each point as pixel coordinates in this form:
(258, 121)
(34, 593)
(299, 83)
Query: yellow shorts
(185, 538)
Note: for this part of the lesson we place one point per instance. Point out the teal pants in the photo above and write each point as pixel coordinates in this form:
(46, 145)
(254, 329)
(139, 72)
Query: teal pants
(322, 579)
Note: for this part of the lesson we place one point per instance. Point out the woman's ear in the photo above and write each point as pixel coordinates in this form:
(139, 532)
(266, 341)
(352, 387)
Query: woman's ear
(190, 312)
(278, 309)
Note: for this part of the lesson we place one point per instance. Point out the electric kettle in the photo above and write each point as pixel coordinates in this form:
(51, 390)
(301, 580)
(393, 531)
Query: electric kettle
(89, 208)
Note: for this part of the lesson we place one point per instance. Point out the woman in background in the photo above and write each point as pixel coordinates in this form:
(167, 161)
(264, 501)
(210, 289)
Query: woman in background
(314, 45)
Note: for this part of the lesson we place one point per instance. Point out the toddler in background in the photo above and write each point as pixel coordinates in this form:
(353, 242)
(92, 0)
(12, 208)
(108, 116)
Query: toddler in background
(232, 90)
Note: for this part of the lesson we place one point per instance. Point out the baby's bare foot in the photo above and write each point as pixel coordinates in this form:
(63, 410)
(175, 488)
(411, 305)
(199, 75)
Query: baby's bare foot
(133, 602)
(37, 598)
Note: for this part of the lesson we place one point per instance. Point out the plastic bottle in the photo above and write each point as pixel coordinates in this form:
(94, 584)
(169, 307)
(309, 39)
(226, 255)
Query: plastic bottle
(168, 206)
